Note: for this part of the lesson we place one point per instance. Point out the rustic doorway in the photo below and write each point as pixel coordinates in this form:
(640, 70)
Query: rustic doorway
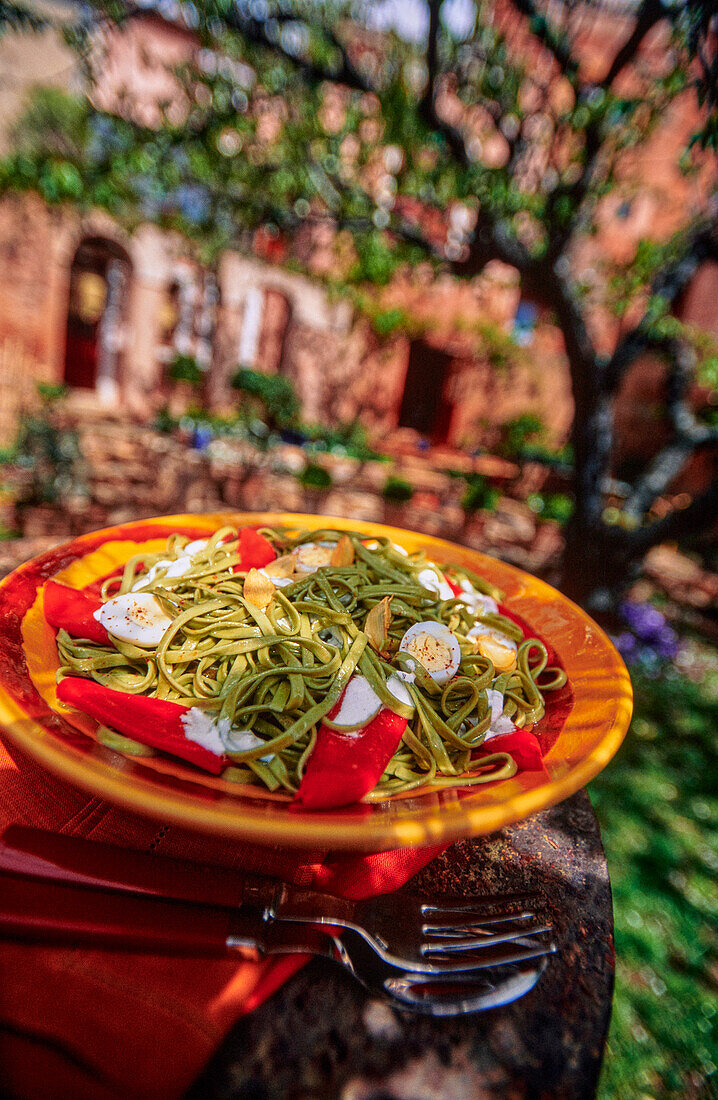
(99, 278)
(424, 406)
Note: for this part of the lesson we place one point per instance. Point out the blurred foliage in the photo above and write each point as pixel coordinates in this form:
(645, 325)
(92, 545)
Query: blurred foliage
(235, 157)
(496, 345)
(51, 454)
(315, 477)
(658, 810)
(62, 125)
(164, 421)
(349, 439)
(390, 320)
(274, 394)
(397, 490)
(695, 31)
(553, 506)
(708, 415)
(256, 139)
(185, 368)
(479, 495)
(50, 392)
(627, 284)
(649, 259)
(18, 17)
(300, 121)
(344, 440)
(558, 458)
(518, 433)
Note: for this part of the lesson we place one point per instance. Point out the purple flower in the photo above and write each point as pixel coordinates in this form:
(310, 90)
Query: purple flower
(650, 641)
(666, 643)
(627, 646)
(645, 621)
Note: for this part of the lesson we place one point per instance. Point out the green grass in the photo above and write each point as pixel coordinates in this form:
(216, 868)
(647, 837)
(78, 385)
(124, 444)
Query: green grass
(658, 808)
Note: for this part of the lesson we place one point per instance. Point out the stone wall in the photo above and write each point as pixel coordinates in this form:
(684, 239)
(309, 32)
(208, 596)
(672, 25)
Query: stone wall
(133, 472)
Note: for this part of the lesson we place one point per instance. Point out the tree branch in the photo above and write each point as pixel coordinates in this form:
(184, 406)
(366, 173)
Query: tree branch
(427, 104)
(555, 42)
(649, 13)
(592, 432)
(398, 225)
(580, 347)
(255, 31)
(682, 359)
(17, 17)
(689, 434)
(432, 58)
(701, 245)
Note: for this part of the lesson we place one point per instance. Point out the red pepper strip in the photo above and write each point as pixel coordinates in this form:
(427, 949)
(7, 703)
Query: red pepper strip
(455, 588)
(344, 767)
(255, 551)
(73, 611)
(153, 722)
(522, 745)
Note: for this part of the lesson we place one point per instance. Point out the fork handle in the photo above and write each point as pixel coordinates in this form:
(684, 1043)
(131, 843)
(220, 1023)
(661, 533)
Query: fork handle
(52, 912)
(55, 858)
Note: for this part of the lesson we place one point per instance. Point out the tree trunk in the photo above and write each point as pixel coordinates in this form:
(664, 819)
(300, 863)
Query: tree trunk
(596, 566)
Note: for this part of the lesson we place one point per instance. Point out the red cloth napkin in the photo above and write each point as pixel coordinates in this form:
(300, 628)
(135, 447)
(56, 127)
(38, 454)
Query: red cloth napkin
(89, 1023)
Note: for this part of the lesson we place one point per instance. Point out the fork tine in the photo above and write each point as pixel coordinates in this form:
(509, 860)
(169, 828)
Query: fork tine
(499, 955)
(471, 943)
(479, 901)
(479, 922)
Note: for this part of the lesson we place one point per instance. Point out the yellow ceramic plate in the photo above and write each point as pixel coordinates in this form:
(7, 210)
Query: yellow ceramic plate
(62, 740)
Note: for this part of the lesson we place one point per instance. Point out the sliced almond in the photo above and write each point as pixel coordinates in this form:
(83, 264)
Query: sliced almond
(377, 625)
(311, 557)
(281, 567)
(343, 552)
(501, 656)
(258, 589)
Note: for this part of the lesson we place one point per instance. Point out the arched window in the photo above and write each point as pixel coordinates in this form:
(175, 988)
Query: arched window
(99, 278)
(265, 320)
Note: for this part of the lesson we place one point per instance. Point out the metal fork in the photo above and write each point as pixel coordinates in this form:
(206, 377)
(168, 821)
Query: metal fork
(57, 912)
(451, 993)
(472, 934)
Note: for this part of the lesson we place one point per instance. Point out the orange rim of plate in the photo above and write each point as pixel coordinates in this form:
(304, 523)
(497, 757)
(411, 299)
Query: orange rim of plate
(589, 738)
